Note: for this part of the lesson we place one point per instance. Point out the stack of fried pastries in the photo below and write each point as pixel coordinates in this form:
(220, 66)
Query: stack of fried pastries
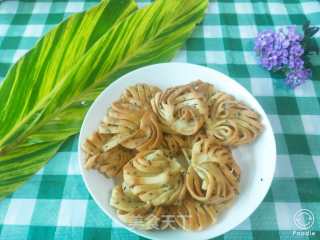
(172, 150)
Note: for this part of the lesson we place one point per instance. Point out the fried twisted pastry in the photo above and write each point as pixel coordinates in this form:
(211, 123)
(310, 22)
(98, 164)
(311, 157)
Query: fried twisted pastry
(131, 120)
(173, 143)
(155, 178)
(148, 136)
(110, 162)
(123, 201)
(142, 218)
(132, 211)
(232, 122)
(213, 176)
(133, 126)
(122, 120)
(93, 144)
(181, 109)
(205, 89)
(200, 135)
(224, 131)
(190, 141)
(140, 95)
(192, 215)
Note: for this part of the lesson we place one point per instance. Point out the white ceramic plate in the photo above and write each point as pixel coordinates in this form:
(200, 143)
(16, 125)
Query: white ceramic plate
(257, 160)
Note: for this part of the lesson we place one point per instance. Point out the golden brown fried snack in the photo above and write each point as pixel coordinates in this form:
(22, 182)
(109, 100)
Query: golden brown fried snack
(110, 162)
(122, 120)
(189, 142)
(232, 122)
(173, 143)
(140, 95)
(173, 150)
(192, 215)
(213, 176)
(224, 131)
(204, 89)
(181, 110)
(132, 211)
(155, 178)
(121, 200)
(143, 218)
(93, 145)
(132, 126)
(148, 136)
(132, 121)
(200, 135)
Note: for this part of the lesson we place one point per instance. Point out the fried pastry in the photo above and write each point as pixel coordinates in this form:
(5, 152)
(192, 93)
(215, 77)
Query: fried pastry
(200, 135)
(134, 212)
(174, 143)
(173, 150)
(148, 136)
(93, 144)
(205, 89)
(123, 201)
(143, 218)
(140, 95)
(155, 178)
(181, 110)
(192, 215)
(231, 122)
(213, 176)
(132, 126)
(110, 162)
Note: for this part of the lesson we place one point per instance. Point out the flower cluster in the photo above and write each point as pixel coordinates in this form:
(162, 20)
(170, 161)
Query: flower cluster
(283, 51)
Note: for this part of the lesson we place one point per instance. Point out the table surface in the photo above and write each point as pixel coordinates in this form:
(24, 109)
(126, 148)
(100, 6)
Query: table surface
(55, 204)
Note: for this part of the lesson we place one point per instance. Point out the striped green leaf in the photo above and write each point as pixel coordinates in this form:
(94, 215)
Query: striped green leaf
(45, 95)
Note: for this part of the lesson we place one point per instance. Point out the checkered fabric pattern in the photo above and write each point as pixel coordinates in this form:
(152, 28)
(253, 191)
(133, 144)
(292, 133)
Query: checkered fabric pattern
(55, 204)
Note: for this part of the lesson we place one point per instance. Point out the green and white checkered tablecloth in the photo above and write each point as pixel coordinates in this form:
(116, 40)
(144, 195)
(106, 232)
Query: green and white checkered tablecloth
(55, 204)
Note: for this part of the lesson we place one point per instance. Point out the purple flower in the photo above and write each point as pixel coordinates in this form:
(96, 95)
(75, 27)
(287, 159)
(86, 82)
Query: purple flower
(293, 35)
(266, 63)
(284, 60)
(264, 39)
(297, 77)
(296, 49)
(285, 43)
(283, 50)
(295, 62)
(281, 40)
